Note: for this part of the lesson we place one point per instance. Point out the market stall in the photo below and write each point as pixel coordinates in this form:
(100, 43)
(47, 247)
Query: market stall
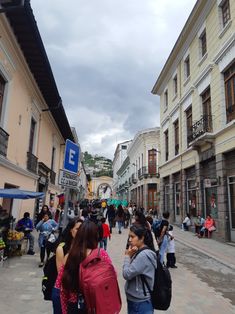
(10, 239)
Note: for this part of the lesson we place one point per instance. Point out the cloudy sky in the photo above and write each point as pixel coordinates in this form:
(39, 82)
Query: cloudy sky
(106, 56)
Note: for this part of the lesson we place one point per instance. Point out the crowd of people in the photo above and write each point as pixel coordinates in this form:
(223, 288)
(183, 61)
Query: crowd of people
(83, 242)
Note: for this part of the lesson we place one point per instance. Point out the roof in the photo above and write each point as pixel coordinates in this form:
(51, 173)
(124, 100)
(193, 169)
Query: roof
(25, 28)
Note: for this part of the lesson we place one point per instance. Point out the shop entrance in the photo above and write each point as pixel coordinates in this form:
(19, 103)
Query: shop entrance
(231, 192)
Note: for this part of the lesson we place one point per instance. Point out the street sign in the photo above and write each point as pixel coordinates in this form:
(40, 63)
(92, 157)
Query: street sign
(71, 157)
(68, 179)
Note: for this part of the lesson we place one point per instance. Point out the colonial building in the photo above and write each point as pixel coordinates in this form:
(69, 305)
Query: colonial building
(138, 175)
(119, 157)
(197, 104)
(33, 123)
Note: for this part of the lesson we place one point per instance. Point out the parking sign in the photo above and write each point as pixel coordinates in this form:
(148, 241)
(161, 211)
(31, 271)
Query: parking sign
(71, 156)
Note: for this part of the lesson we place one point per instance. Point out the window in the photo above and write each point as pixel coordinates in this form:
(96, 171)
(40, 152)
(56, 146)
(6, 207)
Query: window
(53, 158)
(32, 135)
(2, 87)
(175, 85)
(166, 145)
(152, 161)
(229, 82)
(189, 121)
(167, 197)
(187, 67)
(124, 147)
(166, 99)
(225, 9)
(176, 127)
(206, 107)
(203, 47)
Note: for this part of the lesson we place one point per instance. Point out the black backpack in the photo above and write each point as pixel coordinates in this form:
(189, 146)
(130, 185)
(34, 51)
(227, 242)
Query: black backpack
(49, 278)
(50, 275)
(162, 288)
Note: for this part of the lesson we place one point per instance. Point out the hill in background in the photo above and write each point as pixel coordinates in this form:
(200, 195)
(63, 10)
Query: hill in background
(97, 166)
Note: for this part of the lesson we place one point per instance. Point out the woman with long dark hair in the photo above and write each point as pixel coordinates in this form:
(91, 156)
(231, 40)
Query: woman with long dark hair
(85, 241)
(140, 260)
(63, 246)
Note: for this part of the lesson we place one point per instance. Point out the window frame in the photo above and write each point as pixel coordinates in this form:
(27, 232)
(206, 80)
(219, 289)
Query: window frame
(166, 98)
(203, 43)
(225, 12)
(176, 135)
(229, 79)
(166, 145)
(187, 67)
(189, 117)
(175, 85)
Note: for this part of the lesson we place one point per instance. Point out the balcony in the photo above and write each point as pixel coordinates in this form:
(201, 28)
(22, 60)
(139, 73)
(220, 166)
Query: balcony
(52, 176)
(32, 162)
(147, 172)
(3, 142)
(133, 179)
(200, 128)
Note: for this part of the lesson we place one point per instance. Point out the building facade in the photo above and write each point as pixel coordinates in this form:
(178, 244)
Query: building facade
(197, 105)
(119, 157)
(33, 123)
(138, 176)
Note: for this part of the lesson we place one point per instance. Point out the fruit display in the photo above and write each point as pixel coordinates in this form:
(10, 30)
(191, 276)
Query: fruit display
(2, 244)
(15, 235)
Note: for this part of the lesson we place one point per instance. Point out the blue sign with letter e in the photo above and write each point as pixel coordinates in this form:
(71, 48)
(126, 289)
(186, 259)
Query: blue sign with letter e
(71, 156)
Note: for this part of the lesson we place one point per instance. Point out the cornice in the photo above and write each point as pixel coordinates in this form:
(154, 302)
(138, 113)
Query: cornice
(10, 165)
(203, 74)
(229, 43)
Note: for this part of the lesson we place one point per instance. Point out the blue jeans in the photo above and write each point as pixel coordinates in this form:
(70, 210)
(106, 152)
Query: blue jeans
(163, 248)
(120, 224)
(56, 301)
(144, 307)
(103, 243)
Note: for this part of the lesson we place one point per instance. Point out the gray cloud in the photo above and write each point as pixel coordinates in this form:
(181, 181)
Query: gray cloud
(106, 56)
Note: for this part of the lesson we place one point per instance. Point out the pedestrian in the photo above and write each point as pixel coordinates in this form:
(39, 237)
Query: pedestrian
(25, 225)
(162, 240)
(126, 217)
(106, 234)
(140, 260)
(130, 209)
(110, 214)
(46, 227)
(84, 245)
(120, 218)
(141, 220)
(170, 256)
(45, 210)
(63, 246)
(186, 222)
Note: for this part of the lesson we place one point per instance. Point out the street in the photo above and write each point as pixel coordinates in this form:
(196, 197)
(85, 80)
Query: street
(200, 284)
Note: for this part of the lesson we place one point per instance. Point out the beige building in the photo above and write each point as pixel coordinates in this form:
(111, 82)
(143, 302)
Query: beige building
(33, 123)
(138, 176)
(197, 101)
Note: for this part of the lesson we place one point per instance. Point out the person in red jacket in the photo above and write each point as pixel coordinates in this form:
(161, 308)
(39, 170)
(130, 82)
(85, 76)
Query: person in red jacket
(106, 234)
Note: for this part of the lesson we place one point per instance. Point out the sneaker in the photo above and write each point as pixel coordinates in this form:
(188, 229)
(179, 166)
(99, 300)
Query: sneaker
(41, 264)
(174, 266)
(4, 258)
(30, 252)
(119, 232)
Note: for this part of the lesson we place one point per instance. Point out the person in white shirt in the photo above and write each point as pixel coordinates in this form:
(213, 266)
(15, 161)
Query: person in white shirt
(130, 210)
(186, 223)
(171, 260)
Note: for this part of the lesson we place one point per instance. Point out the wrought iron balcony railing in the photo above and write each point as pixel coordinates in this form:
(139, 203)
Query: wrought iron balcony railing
(3, 142)
(32, 162)
(202, 126)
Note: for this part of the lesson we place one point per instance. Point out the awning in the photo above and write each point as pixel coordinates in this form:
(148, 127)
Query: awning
(20, 194)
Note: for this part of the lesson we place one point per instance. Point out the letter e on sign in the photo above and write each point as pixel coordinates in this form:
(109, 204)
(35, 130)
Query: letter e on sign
(71, 157)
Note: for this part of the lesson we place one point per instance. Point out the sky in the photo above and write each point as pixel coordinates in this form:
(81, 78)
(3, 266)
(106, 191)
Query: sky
(106, 56)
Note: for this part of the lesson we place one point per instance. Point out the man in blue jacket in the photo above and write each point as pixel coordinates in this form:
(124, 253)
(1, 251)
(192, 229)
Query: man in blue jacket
(26, 225)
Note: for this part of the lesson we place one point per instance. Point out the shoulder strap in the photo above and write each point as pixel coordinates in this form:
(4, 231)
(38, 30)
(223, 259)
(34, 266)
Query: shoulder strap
(138, 252)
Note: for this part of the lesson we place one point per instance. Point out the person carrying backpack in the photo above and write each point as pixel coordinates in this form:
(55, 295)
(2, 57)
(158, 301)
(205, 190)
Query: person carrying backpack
(140, 260)
(53, 284)
(89, 281)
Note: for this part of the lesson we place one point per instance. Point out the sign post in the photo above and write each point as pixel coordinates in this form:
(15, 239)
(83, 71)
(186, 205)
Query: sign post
(68, 177)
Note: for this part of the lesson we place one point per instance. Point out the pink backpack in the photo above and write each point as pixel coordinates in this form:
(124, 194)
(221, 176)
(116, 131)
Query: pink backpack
(99, 285)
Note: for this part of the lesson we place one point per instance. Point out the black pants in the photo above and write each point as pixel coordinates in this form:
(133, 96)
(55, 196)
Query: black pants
(171, 260)
(43, 250)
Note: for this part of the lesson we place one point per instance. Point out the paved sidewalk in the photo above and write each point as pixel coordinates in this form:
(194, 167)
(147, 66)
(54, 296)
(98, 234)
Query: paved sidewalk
(222, 252)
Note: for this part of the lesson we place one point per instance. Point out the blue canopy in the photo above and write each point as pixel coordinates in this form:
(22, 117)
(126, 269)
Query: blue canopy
(20, 194)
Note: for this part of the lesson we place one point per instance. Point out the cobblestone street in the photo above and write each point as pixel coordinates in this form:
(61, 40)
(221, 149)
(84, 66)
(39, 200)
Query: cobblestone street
(20, 282)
